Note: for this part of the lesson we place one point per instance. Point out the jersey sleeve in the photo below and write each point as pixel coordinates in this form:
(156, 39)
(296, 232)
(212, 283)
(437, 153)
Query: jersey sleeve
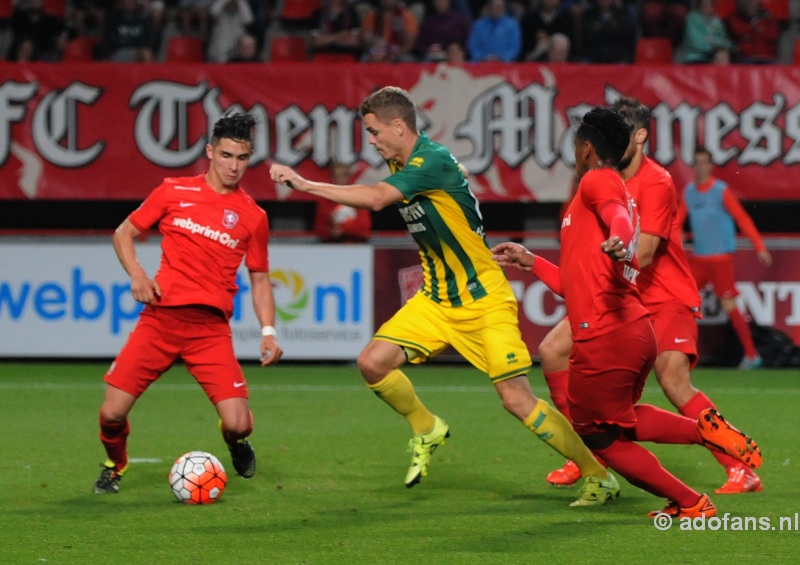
(151, 210)
(598, 188)
(742, 219)
(256, 258)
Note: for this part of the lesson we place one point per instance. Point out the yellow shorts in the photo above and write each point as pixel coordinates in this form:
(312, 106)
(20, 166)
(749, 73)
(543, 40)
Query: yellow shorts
(486, 332)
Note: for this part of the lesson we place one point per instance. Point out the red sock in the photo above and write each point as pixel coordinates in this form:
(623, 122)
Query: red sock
(114, 436)
(692, 409)
(642, 469)
(742, 330)
(659, 426)
(557, 383)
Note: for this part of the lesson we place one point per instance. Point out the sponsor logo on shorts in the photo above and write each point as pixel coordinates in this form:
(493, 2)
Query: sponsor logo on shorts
(681, 340)
(240, 384)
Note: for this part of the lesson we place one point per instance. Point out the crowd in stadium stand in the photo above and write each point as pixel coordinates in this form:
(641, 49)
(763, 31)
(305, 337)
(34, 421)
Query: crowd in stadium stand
(456, 31)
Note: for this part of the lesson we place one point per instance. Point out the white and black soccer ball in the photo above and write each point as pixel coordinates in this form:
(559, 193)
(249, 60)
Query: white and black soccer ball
(197, 477)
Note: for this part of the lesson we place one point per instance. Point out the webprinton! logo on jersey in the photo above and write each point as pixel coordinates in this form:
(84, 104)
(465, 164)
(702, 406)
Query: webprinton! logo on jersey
(206, 231)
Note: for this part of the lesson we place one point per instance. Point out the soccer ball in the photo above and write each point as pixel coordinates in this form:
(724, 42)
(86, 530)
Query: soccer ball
(197, 477)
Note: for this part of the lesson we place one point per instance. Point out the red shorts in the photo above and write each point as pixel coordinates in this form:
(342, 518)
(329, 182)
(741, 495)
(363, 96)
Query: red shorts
(675, 326)
(716, 271)
(200, 337)
(607, 375)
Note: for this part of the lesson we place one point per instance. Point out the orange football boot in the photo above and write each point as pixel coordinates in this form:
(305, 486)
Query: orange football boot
(740, 480)
(565, 476)
(719, 435)
(703, 508)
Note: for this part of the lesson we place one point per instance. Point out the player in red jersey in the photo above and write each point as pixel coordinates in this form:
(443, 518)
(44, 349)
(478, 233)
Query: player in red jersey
(613, 345)
(668, 292)
(209, 224)
(714, 213)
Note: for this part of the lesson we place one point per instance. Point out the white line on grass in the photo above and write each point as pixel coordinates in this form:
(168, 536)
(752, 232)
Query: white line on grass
(359, 388)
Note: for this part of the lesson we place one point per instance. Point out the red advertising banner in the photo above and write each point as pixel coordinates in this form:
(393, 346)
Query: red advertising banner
(106, 131)
(768, 295)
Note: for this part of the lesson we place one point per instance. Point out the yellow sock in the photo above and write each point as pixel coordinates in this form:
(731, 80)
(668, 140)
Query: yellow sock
(397, 391)
(552, 427)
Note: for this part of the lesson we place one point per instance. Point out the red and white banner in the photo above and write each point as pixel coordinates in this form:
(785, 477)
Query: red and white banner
(106, 131)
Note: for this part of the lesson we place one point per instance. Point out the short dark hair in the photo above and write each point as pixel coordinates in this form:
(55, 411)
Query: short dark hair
(388, 103)
(238, 127)
(634, 112)
(702, 150)
(607, 130)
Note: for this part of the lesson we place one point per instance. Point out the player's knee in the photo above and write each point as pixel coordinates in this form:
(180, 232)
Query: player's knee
(112, 415)
(370, 369)
(554, 354)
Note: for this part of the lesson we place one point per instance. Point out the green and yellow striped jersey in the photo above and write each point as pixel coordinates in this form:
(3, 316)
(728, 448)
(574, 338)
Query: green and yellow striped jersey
(443, 217)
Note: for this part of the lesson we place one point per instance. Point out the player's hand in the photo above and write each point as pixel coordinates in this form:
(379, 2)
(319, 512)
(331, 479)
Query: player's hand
(765, 257)
(271, 351)
(286, 175)
(614, 248)
(145, 290)
(510, 254)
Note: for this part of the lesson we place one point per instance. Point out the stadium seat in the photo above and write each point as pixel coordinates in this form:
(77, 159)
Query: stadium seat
(796, 52)
(299, 9)
(184, 49)
(79, 49)
(653, 51)
(288, 48)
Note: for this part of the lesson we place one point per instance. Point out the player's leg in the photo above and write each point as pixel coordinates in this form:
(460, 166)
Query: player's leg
(114, 430)
(751, 358)
(548, 424)
(724, 282)
(604, 381)
(138, 364)
(210, 358)
(554, 352)
(412, 334)
(495, 346)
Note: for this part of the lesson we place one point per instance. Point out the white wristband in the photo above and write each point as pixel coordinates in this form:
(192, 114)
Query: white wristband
(268, 331)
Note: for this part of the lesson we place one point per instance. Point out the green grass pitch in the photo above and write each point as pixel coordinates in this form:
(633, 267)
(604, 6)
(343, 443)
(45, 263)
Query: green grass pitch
(331, 463)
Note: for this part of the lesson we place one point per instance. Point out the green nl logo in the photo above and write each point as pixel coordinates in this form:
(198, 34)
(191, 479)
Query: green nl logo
(328, 301)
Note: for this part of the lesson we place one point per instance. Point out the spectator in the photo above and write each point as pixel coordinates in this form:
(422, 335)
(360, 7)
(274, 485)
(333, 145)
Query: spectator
(37, 35)
(495, 36)
(230, 21)
(195, 17)
(754, 33)
(246, 50)
(129, 34)
(705, 35)
(89, 17)
(441, 27)
(336, 29)
(542, 19)
(608, 33)
(558, 49)
(455, 54)
(389, 33)
(665, 18)
(338, 222)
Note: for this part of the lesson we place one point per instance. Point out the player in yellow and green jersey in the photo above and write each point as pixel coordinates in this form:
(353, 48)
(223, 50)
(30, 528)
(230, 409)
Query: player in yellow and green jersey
(465, 301)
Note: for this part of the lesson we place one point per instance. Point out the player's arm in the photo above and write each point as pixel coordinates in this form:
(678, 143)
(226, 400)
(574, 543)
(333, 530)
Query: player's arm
(746, 225)
(264, 306)
(615, 216)
(509, 254)
(370, 197)
(646, 251)
(143, 288)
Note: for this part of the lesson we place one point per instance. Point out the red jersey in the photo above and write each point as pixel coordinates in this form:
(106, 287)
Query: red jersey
(669, 277)
(600, 293)
(205, 237)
